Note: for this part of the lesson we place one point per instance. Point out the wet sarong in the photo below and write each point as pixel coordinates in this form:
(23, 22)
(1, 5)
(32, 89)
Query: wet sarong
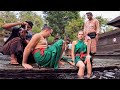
(80, 52)
(51, 55)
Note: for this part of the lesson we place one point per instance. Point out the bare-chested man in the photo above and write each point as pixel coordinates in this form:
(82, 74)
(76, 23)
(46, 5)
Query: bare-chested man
(44, 56)
(91, 30)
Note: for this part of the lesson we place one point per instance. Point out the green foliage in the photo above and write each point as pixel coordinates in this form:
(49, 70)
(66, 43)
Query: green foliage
(50, 39)
(103, 23)
(74, 27)
(32, 16)
(59, 19)
(36, 29)
(11, 16)
(7, 17)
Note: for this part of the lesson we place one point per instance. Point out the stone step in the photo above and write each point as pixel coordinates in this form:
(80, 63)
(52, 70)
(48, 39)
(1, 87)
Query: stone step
(117, 50)
(43, 73)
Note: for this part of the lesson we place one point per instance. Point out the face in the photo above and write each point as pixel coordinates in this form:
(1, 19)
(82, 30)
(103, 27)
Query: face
(89, 16)
(29, 27)
(80, 35)
(48, 32)
(23, 33)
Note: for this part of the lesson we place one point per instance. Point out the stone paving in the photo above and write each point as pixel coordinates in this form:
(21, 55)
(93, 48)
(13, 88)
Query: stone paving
(102, 69)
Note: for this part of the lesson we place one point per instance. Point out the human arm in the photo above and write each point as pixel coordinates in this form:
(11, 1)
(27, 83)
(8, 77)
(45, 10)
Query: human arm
(88, 43)
(84, 29)
(72, 52)
(31, 45)
(97, 29)
(8, 26)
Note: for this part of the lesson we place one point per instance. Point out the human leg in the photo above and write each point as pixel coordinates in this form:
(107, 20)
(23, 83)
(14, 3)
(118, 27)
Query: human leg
(63, 48)
(13, 59)
(10, 48)
(89, 67)
(81, 67)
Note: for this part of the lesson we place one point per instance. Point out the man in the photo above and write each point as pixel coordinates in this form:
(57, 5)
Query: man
(91, 31)
(44, 56)
(17, 41)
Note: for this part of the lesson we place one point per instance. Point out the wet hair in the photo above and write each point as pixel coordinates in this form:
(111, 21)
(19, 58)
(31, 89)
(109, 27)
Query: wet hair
(81, 31)
(29, 22)
(89, 13)
(45, 26)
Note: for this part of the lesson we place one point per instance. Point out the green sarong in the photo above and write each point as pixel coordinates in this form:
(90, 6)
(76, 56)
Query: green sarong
(79, 47)
(51, 55)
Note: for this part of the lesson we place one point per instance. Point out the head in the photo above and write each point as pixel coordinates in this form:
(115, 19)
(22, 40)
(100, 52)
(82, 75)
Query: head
(80, 35)
(47, 31)
(29, 26)
(89, 15)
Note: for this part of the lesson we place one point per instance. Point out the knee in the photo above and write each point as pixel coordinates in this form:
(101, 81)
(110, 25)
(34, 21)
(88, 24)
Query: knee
(82, 66)
(88, 61)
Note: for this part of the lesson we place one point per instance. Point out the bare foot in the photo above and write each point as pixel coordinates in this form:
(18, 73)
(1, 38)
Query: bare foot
(89, 75)
(14, 62)
(61, 63)
(80, 77)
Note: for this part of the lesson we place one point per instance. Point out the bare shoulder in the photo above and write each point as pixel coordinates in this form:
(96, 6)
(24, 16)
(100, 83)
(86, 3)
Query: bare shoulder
(96, 20)
(85, 42)
(37, 35)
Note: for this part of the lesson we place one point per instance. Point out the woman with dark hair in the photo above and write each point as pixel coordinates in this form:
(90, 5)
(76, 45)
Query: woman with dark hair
(15, 44)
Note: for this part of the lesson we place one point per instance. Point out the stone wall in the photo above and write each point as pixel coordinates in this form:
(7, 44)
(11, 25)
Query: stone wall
(109, 42)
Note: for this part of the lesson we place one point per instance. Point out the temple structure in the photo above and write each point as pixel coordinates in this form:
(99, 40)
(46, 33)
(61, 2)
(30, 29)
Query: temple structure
(109, 42)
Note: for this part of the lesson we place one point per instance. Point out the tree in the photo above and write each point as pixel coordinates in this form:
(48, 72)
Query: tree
(103, 23)
(59, 19)
(7, 17)
(32, 16)
(74, 27)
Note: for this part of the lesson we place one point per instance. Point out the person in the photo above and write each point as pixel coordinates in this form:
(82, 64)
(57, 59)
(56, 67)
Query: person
(44, 56)
(91, 30)
(17, 41)
(69, 48)
(81, 57)
(13, 27)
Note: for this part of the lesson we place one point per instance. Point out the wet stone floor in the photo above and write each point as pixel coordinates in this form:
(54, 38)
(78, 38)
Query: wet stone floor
(106, 74)
(67, 71)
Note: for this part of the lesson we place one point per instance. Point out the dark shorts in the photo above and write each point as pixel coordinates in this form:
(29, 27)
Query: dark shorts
(92, 35)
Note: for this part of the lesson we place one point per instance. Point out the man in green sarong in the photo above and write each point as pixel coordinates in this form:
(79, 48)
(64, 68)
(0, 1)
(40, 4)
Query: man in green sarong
(44, 56)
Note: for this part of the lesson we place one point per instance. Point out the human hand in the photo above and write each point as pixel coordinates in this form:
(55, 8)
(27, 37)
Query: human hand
(27, 66)
(87, 58)
(97, 37)
(72, 63)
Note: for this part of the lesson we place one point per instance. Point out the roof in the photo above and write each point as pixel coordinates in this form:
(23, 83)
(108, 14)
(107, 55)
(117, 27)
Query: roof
(113, 32)
(115, 22)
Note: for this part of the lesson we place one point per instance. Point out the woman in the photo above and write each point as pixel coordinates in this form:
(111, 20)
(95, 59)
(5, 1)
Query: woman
(80, 55)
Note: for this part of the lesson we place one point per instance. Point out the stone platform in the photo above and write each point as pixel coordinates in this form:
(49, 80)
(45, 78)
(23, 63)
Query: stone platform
(8, 71)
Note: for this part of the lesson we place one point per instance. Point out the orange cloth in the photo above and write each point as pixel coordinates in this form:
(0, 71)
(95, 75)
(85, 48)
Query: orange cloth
(81, 55)
(41, 51)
